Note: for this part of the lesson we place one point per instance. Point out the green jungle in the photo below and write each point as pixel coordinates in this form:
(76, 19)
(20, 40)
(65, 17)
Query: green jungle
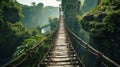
(23, 27)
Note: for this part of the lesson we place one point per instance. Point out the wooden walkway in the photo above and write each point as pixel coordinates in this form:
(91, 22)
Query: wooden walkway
(62, 53)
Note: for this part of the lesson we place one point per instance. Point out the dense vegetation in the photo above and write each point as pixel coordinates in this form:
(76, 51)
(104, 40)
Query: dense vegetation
(12, 31)
(102, 23)
(14, 35)
(20, 27)
(53, 22)
(105, 14)
(100, 19)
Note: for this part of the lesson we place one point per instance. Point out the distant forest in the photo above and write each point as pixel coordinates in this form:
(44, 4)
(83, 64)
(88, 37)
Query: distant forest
(37, 15)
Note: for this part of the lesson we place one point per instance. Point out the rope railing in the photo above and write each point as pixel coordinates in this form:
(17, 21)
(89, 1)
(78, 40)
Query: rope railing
(81, 64)
(101, 57)
(39, 49)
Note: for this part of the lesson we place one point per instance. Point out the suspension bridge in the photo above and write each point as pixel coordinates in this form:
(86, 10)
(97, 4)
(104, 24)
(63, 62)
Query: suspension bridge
(62, 49)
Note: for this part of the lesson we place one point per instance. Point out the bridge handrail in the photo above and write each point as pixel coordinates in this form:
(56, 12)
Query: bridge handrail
(90, 48)
(30, 49)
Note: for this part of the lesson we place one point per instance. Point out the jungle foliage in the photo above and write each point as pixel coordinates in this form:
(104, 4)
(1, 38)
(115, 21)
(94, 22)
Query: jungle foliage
(101, 21)
(53, 23)
(103, 25)
(13, 32)
(106, 14)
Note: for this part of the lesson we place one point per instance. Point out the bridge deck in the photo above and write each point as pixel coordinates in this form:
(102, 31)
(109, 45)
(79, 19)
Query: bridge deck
(61, 48)
(61, 54)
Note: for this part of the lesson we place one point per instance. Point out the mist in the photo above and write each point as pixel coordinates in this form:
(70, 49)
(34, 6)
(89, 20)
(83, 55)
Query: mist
(48, 11)
(38, 15)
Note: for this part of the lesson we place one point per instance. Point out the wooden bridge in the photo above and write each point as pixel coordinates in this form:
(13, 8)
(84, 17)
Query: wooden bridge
(62, 49)
(62, 53)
